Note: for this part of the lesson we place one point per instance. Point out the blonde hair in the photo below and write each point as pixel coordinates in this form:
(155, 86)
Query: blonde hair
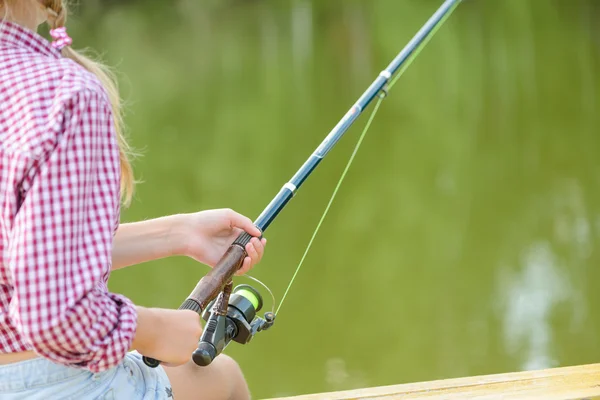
(57, 11)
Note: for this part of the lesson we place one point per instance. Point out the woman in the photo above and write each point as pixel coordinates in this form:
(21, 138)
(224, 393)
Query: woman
(64, 171)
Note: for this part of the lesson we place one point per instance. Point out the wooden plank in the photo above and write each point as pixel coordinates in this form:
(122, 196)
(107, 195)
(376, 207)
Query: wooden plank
(566, 383)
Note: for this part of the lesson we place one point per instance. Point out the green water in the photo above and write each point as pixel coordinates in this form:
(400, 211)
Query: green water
(465, 238)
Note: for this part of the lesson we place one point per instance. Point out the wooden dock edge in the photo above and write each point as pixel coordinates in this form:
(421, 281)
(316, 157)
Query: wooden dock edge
(565, 383)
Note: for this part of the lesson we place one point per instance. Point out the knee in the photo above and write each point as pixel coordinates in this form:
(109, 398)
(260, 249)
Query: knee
(222, 379)
(232, 372)
(228, 365)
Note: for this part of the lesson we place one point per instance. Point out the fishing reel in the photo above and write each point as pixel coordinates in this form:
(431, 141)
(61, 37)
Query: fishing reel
(238, 322)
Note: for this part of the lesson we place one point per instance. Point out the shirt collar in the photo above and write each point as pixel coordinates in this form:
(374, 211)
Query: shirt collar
(18, 36)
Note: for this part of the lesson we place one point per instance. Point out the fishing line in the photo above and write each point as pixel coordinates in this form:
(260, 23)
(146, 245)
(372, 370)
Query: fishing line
(266, 287)
(362, 136)
(218, 280)
(381, 96)
(423, 45)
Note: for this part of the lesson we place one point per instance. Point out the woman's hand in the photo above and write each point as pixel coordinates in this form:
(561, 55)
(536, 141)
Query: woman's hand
(174, 341)
(208, 234)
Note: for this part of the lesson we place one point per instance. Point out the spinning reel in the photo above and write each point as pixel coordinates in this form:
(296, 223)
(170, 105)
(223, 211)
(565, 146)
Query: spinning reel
(231, 316)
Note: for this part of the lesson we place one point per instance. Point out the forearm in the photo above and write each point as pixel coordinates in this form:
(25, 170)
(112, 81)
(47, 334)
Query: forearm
(139, 242)
(146, 332)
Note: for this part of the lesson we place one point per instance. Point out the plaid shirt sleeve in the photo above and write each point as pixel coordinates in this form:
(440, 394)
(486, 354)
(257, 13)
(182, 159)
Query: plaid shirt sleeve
(61, 245)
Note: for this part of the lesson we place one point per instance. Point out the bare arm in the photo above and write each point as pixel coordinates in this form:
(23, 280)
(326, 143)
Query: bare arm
(175, 339)
(203, 236)
(139, 242)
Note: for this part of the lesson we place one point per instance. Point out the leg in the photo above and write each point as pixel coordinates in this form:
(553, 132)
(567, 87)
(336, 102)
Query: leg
(221, 380)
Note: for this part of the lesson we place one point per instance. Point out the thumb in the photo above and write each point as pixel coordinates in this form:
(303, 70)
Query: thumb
(245, 223)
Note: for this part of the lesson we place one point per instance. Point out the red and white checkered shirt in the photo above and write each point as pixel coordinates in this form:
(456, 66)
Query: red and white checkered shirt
(59, 209)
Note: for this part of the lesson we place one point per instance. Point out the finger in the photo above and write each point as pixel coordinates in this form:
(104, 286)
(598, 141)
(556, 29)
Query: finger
(252, 252)
(246, 267)
(259, 246)
(245, 223)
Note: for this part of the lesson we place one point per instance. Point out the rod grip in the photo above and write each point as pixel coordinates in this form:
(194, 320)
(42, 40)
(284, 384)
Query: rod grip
(212, 283)
(243, 239)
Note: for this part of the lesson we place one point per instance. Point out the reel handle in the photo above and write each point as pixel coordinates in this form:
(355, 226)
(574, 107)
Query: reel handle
(212, 283)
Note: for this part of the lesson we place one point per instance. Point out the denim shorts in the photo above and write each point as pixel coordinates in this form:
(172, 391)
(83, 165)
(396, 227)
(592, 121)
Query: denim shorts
(40, 379)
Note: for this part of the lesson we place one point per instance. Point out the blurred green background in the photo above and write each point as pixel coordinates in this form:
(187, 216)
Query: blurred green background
(466, 236)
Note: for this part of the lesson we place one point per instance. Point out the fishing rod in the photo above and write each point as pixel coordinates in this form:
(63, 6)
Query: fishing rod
(230, 313)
